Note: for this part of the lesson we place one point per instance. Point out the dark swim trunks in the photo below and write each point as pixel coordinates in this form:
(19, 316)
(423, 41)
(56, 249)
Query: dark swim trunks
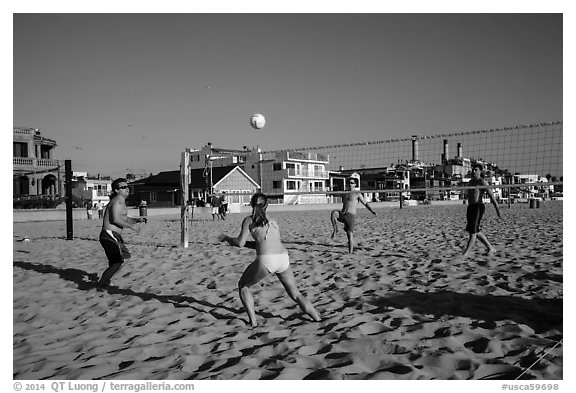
(348, 219)
(474, 215)
(114, 247)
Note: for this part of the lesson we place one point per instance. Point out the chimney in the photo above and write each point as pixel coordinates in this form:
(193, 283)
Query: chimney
(414, 148)
(446, 154)
(459, 150)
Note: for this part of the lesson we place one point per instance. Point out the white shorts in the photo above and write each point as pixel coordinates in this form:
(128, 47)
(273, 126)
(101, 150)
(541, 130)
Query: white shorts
(275, 263)
(214, 210)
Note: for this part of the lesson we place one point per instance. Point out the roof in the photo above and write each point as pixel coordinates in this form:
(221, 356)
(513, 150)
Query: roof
(197, 179)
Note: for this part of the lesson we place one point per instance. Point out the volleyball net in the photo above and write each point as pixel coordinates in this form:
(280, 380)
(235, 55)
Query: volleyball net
(521, 149)
(522, 160)
(519, 163)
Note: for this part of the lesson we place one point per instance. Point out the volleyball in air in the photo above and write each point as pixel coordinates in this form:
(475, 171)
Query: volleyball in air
(257, 121)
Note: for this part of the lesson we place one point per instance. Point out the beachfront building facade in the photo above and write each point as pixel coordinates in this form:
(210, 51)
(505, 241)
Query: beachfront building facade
(36, 171)
(388, 181)
(160, 190)
(89, 190)
(279, 174)
(209, 156)
(284, 174)
(231, 180)
(164, 189)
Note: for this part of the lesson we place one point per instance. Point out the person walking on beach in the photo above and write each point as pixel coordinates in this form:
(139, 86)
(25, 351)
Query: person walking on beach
(476, 210)
(223, 206)
(347, 214)
(271, 257)
(215, 202)
(100, 208)
(115, 219)
(89, 210)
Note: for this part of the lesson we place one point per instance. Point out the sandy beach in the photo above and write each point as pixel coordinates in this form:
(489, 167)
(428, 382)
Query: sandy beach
(403, 306)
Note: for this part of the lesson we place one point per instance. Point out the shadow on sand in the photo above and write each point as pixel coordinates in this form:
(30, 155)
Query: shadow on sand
(87, 282)
(540, 314)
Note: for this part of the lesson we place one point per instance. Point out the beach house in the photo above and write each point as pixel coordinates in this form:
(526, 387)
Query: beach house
(164, 190)
(35, 170)
(87, 189)
(280, 174)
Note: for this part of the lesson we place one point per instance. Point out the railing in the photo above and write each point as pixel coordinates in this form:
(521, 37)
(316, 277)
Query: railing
(24, 131)
(307, 173)
(37, 162)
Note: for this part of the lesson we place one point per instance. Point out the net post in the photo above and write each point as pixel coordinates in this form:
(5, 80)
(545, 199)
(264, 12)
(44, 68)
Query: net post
(69, 212)
(184, 182)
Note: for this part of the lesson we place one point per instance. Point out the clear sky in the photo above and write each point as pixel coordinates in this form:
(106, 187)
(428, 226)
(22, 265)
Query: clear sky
(128, 92)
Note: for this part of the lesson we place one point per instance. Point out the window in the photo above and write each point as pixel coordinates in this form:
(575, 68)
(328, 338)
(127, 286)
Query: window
(153, 197)
(234, 198)
(45, 152)
(292, 168)
(290, 185)
(20, 149)
(277, 166)
(277, 184)
(246, 197)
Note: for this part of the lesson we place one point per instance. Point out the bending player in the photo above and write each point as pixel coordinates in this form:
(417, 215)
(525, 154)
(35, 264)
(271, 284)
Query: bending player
(271, 257)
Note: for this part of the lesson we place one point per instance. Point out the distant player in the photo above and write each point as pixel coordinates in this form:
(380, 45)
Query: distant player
(476, 210)
(347, 214)
(216, 202)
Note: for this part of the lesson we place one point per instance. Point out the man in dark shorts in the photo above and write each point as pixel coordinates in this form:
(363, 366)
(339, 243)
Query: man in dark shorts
(223, 206)
(215, 201)
(476, 209)
(115, 219)
(348, 213)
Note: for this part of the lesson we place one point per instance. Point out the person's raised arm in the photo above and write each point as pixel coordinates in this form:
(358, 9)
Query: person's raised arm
(365, 203)
(492, 199)
(239, 241)
(120, 219)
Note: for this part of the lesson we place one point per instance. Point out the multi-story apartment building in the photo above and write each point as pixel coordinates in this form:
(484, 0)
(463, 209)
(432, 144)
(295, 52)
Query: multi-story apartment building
(35, 170)
(280, 174)
(283, 174)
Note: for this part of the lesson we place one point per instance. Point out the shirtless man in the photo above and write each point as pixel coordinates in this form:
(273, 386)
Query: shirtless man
(271, 257)
(476, 209)
(348, 213)
(115, 219)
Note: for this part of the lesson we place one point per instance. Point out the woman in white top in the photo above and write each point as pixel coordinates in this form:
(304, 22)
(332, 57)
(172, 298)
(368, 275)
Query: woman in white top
(271, 257)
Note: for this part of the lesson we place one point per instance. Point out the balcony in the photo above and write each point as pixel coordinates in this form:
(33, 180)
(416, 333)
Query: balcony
(32, 162)
(293, 172)
(24, 131)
